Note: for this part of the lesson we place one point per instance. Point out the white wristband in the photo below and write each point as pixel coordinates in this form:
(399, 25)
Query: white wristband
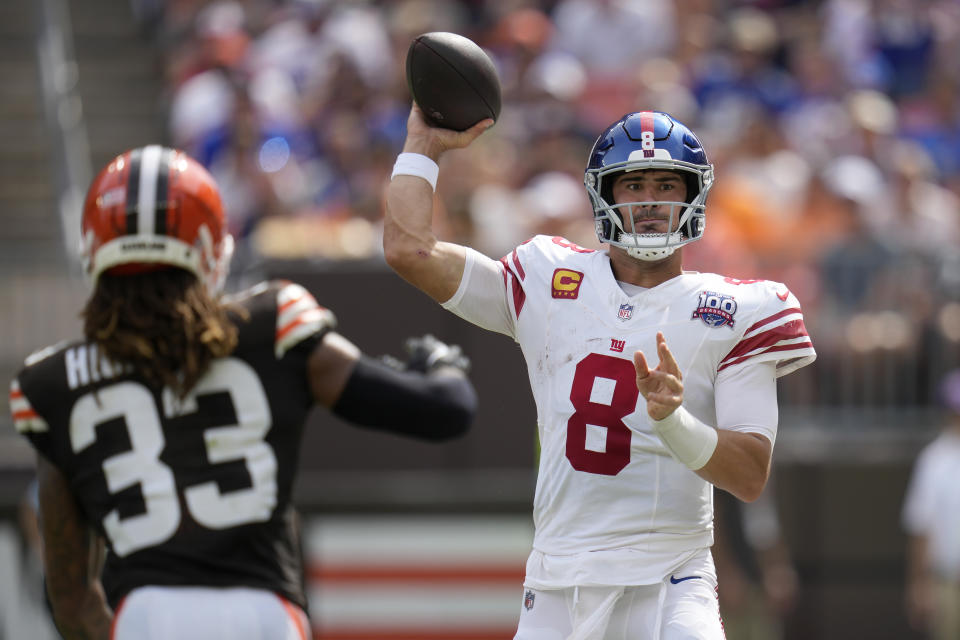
(690, 441)
(416, 164)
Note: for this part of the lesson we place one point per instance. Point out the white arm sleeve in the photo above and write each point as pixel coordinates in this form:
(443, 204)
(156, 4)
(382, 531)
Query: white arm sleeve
(481, 297)
(746, 399)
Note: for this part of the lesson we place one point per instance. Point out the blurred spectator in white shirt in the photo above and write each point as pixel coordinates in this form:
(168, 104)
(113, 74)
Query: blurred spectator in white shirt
(931, 517)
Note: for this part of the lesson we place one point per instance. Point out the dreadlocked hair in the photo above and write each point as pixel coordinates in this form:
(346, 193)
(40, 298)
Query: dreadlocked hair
(165, 324)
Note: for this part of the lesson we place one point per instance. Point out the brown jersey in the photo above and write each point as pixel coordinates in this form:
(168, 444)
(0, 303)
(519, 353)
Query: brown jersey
(193, 490)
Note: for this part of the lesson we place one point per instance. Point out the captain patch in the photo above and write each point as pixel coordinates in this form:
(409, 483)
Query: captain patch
(715, 309)
(566, 283)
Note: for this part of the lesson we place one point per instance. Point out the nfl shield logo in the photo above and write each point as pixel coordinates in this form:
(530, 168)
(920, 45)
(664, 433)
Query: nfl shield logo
(626, 312)
(528, 599)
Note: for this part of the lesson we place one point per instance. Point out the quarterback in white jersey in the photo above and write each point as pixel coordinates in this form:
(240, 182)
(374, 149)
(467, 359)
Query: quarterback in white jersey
(630, 452)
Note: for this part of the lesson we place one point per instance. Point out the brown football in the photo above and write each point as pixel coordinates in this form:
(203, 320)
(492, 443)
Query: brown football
(453, 81)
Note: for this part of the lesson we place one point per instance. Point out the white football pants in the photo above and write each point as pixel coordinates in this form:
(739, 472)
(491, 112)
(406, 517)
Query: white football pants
(682, 607)
(206, 613)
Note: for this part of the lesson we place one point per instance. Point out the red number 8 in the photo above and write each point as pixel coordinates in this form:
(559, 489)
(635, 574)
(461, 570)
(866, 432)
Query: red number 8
(616, 453)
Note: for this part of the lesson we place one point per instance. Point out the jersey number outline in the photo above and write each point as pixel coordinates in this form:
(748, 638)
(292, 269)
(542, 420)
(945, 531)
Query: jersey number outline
(609, 416)
(133, 403)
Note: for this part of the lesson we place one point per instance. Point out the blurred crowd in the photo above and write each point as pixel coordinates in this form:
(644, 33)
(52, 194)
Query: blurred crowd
(834, 127)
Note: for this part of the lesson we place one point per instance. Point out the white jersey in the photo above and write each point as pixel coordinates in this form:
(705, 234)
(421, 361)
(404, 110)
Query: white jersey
(612, 506)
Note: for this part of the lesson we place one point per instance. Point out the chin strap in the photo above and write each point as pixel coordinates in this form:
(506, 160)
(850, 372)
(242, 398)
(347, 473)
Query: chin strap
(648, 247)
(650, 255)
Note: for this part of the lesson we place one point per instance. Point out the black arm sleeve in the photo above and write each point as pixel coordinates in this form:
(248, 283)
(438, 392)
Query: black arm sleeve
(434, 406)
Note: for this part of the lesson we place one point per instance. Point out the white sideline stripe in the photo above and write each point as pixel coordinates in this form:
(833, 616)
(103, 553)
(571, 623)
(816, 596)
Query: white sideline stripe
(428, 541)
(445, 606)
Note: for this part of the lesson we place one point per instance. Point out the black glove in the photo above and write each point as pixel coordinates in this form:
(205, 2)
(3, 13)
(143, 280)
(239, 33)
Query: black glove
(426, 353)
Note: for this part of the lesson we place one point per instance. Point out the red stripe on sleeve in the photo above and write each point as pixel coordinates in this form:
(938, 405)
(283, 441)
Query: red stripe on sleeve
(782, 347)
(309, 315)
(768, 338)
(516, 263)
(289, 303)
(769, 319)
(519, 295)
(25, 414)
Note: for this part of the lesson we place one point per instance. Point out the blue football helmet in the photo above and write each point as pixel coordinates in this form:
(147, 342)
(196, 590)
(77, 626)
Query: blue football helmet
(648, 140)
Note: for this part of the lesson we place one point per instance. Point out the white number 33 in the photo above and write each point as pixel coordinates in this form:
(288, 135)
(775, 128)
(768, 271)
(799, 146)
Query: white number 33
(141, 465)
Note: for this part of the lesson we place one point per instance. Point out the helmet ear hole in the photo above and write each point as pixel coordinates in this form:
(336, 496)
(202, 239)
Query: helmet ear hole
(606, 190)
(693, 185)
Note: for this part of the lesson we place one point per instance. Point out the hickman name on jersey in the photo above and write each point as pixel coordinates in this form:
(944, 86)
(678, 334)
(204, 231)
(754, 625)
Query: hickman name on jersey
(612, 506)
(192, 491)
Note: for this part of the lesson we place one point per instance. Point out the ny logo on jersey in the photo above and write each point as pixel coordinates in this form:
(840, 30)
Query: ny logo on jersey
(715, 309)
(617, 345)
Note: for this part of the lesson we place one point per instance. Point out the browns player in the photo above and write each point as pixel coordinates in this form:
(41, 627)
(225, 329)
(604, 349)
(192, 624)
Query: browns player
(172, 428)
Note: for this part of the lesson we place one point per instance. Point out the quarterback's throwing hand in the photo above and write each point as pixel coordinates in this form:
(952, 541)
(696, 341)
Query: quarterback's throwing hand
(662, 387)
(432, 141)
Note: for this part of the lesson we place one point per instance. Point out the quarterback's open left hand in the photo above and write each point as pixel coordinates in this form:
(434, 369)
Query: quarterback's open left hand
(662, 387)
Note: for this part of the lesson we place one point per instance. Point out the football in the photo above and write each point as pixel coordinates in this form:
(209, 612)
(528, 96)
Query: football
(452, 80)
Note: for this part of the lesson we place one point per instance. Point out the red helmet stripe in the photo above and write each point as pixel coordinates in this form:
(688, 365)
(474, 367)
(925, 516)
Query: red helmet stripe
(647, 122)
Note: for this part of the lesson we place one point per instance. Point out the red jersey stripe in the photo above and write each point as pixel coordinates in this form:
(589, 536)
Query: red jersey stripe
(773, 335)
(307, 316)
(799, 346)
(519, 295)
(25, 414)
(516, 263)
(116, 616)
(769, 319)
(296, 615)
(289, 303)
